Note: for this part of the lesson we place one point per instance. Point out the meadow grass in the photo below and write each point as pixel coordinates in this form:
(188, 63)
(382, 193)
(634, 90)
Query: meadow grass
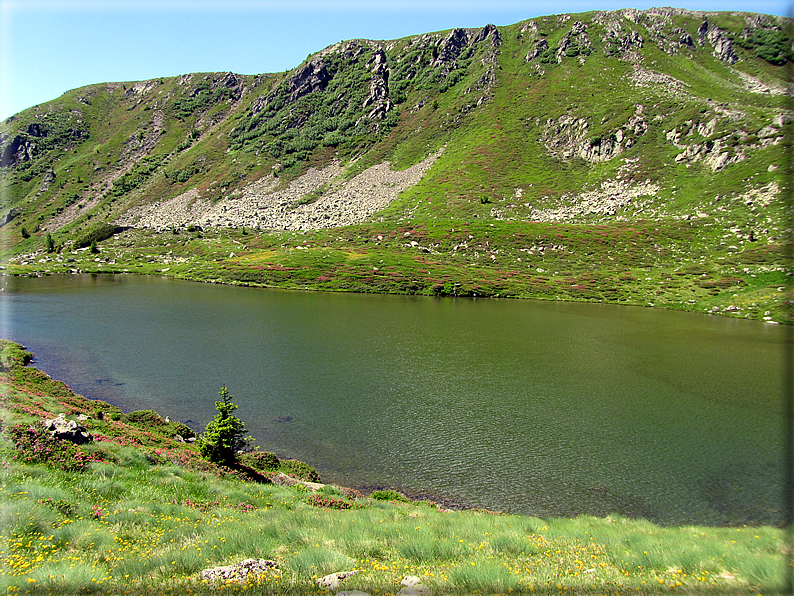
(132, 545)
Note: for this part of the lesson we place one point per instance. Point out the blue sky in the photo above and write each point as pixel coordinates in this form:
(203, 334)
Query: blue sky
(50, 46)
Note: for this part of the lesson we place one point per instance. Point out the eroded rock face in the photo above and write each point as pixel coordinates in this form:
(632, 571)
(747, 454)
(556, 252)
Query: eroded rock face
(618, 41)
(452, 46)
(378, 99)
(723, 48)
(68, 430)
(312, 77)
(239, 571)
(567, 137)
(17, 150)
(541, 45)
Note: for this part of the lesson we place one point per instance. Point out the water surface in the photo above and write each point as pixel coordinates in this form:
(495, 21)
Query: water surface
(530, 407)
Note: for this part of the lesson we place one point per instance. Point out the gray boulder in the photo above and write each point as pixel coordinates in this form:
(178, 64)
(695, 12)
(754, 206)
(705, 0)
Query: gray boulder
(68, 430)
(239, 571)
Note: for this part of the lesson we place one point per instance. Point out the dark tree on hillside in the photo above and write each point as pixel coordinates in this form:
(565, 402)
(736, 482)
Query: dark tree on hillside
(223, 437)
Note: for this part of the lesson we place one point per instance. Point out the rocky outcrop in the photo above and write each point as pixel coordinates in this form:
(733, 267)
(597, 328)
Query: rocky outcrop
(568, 137)
(755, 85)
(16, 150)
(451, 47)
(68, 430)
(46, 181)
(719, 40)
(377, 102)
(541, 45)
(683, 38)
(489, 31)
(575, 42)
(617, 41)
(563, 136)
(312, 77)
(239, 572)
(719, 152)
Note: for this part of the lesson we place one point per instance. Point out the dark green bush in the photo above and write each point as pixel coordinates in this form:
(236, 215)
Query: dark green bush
(96, 234)
(181, 429)
(768, 43)
(260, 460)
(389, 495)
(144, 419)
(300, 470)
(223, 437)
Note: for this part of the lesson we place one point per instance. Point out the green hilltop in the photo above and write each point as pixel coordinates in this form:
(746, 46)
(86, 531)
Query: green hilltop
(633, 157)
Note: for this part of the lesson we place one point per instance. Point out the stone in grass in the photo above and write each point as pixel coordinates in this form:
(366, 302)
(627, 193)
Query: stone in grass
(331, 582)
(239, 571)
(417, 590)
(352, 593)
(413, 587)
(68, 430)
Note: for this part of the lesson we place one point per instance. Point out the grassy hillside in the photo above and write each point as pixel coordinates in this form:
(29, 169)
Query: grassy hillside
(631, 156)
(137, 511)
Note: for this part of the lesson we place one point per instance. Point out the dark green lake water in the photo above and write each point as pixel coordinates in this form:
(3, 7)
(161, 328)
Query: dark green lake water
(538, 408)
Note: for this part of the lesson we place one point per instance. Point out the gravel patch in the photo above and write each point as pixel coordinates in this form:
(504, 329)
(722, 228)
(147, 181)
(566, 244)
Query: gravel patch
(261, 205)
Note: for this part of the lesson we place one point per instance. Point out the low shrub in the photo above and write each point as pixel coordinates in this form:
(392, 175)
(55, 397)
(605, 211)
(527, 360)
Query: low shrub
(103, 410)
(96, 234)
(352, 493)
(34, 445)
(330, 490)
(144, 419)
(60, 505)
(181, 429)
(327, 502)
(260, 460)
(300, 470)
(389, 495)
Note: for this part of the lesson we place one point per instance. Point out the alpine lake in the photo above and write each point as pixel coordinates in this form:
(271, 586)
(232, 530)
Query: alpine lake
(529, 407)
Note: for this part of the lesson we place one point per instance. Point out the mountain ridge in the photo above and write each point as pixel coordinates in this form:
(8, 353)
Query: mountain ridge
(662, 117)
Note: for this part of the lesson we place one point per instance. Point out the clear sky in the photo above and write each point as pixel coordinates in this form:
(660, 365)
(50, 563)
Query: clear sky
(48, 47)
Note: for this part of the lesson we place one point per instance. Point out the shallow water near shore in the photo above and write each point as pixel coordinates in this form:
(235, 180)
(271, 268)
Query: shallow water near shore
(538, 408)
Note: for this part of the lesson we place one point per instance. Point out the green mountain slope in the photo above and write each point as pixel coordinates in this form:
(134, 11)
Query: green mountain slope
(628, 156)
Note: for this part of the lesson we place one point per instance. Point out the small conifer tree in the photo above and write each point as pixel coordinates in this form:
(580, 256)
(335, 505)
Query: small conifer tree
(223, 437)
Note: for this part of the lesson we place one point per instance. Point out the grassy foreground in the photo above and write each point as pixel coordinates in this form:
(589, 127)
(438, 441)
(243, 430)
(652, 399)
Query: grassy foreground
(137, 511)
